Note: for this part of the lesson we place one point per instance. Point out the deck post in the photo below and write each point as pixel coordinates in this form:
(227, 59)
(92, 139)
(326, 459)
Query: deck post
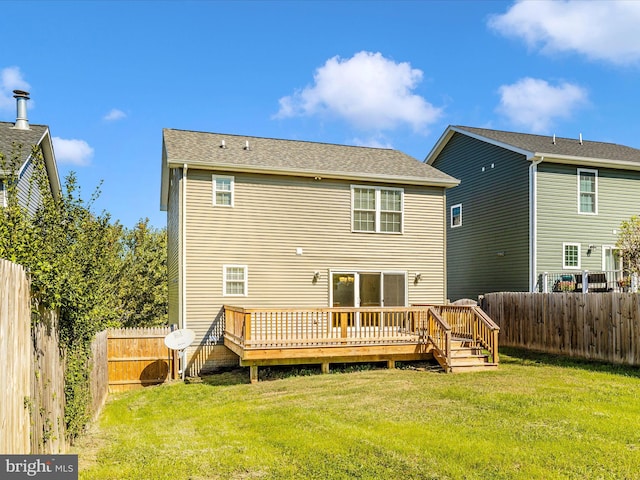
(343, 324)
(247, 326)
(391, 364)
(253, 373)
(325, 367)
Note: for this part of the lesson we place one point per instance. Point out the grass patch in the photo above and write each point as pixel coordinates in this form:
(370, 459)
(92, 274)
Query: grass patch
(537, 417)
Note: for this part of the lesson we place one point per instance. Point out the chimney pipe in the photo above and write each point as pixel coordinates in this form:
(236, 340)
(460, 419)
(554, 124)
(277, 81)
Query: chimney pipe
(21, 103)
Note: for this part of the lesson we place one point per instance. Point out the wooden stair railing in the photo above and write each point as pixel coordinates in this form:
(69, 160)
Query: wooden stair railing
(472, 338)
(438, 334)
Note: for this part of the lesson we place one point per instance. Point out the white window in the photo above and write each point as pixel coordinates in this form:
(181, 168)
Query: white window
(234, 280)
(587, 191)
(3, 195)
(223, 191)
(377, 209)
(456, 215)
(571, 255)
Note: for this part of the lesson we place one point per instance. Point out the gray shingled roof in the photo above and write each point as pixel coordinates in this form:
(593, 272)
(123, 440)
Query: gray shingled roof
(295, 157)
(571, 147)
(11, 139)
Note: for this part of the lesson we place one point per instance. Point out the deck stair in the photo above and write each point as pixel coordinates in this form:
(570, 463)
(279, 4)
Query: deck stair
(467, 356)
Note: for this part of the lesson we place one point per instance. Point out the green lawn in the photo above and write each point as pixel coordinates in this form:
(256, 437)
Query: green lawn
(537, 417)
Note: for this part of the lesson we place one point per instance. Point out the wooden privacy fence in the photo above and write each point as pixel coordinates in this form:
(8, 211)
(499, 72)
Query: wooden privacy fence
(15, 347)
(595, 326)
(32, 397)
(138, 357)
(48, 434)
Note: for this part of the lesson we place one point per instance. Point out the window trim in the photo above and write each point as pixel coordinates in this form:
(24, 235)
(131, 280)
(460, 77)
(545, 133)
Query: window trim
(451, 215)
(245, 280)
(595, 194)
(378, 208)
(231, 178)
(564, 258)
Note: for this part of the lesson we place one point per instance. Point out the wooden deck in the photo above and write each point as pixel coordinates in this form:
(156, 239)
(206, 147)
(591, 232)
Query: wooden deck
(458, 337)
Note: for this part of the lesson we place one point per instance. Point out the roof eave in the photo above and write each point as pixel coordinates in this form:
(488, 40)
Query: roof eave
(588, 161)
(164, 180)
(434, 182)
(451, 130)
(50, 161)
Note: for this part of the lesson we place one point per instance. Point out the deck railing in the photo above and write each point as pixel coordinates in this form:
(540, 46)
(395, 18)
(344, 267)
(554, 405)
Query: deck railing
(586, 281)
(274, 328)
(435, 325)
(438, 334)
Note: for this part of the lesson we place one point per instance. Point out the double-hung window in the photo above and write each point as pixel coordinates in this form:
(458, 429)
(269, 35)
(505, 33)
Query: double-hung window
(571, 255)
(456, 215)
(234, 280)
(587, 191)
(223, 191)
(377, 209)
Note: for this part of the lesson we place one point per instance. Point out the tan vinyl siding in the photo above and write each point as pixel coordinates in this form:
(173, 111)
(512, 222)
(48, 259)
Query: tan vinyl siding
(273, 216)
(173, 247)
(559, 221)
(490, 251)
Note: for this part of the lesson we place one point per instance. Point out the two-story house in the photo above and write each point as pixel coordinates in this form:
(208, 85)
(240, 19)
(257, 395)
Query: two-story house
(530, 204)
(17, 140)
(284, 224)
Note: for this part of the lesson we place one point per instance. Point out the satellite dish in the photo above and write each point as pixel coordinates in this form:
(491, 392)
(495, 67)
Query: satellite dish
(180, 339)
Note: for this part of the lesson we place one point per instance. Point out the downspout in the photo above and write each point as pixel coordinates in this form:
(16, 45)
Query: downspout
(183, 226)
(533, 222)
(183, 286)
(446, 249)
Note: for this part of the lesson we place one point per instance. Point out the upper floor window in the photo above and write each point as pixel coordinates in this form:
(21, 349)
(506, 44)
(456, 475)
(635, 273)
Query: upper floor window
(587, 191)
(377, 209)
(456, 215)
(234, 280)
(223, 190)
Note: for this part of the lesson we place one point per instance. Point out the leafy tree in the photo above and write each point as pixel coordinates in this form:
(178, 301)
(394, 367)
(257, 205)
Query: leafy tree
(143, 288)
(629, 244)
(94, 272)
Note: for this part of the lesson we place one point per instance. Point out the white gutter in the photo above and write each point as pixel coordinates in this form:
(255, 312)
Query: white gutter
(533, 222)
(434, 182)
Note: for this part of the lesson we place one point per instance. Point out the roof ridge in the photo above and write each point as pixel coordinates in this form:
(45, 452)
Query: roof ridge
(544, 136)
(282, 139)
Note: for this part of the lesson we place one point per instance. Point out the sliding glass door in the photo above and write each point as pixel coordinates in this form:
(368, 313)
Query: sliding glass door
(368, 289)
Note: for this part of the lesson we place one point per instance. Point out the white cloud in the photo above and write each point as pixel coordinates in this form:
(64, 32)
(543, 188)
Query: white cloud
(367, 90)
(114, 114)
(71, 151)
(600, 30)
(10, 80)
(535, 104)
(371, 142)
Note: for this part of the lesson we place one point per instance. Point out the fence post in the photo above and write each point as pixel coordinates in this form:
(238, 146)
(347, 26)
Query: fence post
(545, 282)
(585, 281)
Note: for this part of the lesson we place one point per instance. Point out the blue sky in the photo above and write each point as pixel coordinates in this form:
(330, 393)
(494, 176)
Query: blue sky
(107, 77)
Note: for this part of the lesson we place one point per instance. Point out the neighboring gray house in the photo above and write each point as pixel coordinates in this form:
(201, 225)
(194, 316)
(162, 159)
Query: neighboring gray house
(16, 143)
(260, 222)
(529, 204)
